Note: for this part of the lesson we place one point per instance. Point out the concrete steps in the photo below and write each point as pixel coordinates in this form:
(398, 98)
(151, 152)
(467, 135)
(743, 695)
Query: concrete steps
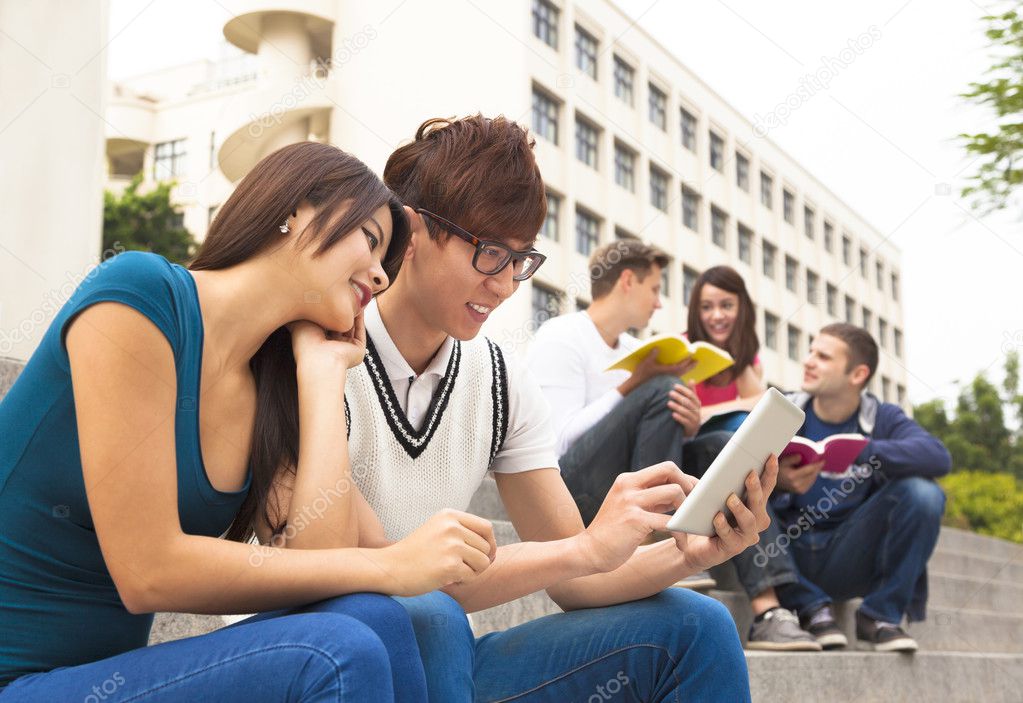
(971, 645)
(866, 677)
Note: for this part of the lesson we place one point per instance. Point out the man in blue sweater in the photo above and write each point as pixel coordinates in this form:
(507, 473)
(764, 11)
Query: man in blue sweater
(869, 531)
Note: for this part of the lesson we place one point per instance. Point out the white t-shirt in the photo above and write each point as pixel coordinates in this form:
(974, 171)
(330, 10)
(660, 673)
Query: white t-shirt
(529, 443)
(568, 358)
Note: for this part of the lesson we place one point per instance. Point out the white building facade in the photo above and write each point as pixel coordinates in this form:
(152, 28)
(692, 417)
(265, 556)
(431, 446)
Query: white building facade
(630, 143)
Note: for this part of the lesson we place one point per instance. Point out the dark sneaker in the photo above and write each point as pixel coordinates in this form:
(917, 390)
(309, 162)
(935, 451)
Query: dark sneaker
(821, 624)
(882, 636)
(697, 582)
(778, 630)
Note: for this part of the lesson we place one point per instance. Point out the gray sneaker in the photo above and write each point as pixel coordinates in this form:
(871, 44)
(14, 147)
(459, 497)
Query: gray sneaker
(778, 630)
(697, 582)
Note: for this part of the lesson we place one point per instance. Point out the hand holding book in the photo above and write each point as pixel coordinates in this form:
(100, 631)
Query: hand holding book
(672, 349)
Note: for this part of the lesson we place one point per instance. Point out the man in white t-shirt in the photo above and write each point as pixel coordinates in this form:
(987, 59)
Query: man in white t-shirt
(609, 422)
(436, 406)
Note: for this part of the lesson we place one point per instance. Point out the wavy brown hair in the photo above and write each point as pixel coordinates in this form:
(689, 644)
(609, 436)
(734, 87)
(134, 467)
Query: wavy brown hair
(743, 344)
(344, 193)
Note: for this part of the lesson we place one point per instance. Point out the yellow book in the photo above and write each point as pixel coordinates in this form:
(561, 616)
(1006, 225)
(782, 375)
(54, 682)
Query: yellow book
(671, 349)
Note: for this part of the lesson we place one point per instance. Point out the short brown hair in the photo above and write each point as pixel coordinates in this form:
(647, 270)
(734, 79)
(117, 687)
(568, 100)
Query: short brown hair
(862, 347)
(479, 172)
(608, 262)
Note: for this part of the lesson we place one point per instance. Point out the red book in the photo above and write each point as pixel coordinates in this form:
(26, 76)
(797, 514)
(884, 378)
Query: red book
(837, 451)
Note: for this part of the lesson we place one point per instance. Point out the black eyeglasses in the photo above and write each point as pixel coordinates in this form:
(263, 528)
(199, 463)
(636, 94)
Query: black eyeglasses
(491, 257)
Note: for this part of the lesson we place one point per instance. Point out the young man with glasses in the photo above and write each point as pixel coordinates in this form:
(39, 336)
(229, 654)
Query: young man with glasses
(436, 406)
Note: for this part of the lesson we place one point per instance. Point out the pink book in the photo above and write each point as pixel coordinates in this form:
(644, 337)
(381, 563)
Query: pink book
(837, 451)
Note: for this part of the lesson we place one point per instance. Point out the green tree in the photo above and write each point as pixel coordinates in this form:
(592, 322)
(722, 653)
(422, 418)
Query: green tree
(1000, 149)
(979, 436)
(145, 222)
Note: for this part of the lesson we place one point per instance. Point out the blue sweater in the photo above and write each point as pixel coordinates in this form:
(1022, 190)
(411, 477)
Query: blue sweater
(898, 447)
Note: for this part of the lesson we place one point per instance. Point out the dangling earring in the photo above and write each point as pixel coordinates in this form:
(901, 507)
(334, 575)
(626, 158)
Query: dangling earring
(285, 228)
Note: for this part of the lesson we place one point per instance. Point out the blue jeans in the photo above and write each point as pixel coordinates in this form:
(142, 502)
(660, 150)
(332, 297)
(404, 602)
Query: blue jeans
(675, 646)
(879, 553)
(358, 647)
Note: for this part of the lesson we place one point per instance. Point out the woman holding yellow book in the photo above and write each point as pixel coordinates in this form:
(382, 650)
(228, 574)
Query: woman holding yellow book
(722, 313)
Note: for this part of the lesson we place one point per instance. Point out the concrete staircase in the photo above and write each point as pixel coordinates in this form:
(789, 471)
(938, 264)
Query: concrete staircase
(971, 645)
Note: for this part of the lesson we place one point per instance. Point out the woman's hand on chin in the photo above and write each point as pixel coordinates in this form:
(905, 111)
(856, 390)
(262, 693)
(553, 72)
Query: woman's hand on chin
(320, 351)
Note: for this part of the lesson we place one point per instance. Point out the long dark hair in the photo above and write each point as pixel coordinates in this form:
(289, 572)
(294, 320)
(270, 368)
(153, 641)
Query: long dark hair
(743, 344)
(330, 180)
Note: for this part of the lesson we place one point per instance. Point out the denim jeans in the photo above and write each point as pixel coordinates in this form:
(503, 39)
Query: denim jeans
(675, 646)
(879, 553)
(359, 647)
(638, 432)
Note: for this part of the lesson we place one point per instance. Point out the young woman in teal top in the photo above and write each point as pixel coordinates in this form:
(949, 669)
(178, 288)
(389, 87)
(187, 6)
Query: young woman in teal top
(161, 410)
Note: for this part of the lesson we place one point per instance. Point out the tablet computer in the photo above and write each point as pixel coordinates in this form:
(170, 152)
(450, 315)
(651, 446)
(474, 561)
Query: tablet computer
(773, 421)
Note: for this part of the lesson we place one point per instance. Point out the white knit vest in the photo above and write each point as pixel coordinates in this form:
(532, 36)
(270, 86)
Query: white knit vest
(407, 475)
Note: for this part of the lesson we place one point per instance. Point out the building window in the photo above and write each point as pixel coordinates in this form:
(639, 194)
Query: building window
(666, 281)
(900, 394)
(770, 330)
(169, 160)
(687, 122)
(551, 226)
(211, 212)
(717, 152)
(766, 190)
(587, 233)
(742, 171)
(863, 262)
(625, 167)
(832, 302)
(886, 390)
(895, 285)
(658, 104)
(745, 244)
(846, 250)
(690, 209)
(882, 332)
(545, 116)
(794, 335)
(770, 254)
(829, 236)
(586, 138)
(809, 222)
(546, 304)
(659, 189)
(791, 271)
(788, 206)
(897, 341)
(850, 310)
(718, 227)
(545, 23)
(868, 318)
(624, 234)
(586, 52)
(812, 286)
(880, 274)
(624, 76)
(689, 277)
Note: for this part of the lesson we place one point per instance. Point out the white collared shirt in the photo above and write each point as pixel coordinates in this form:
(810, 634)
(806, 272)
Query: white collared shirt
(529, 443)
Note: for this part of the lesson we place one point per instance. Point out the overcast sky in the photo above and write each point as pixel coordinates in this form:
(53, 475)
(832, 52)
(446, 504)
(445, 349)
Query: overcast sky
(881, 135)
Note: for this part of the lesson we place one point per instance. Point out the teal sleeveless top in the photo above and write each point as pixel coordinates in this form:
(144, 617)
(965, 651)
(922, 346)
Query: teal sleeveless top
(58, 603)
